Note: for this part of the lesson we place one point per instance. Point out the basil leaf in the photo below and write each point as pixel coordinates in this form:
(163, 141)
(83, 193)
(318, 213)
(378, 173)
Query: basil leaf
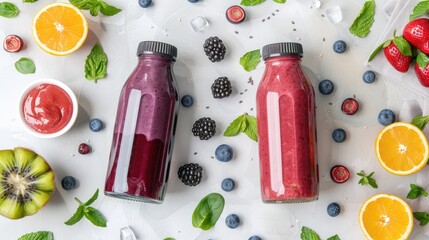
(95, 217)
(239, 124)
(94, 10)
(96, 64)
(208, 211)
(420, 121)
(42, 235)
(422, 217)
(250, 60)
(251, 2)
(169, 238)
(84, 4)
(92, 199)
(279, 1)
(403, 46)
(108, 10)
(363, 22)
(25, 66)
(335, 237)
(420, 9)
(252, 129)
(29, 1)
(8, 10)
(77, 216)
(309, 234)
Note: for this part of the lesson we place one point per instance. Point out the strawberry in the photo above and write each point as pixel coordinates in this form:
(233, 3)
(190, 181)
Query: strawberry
(416, 33)
(421, 68)
(397, 51)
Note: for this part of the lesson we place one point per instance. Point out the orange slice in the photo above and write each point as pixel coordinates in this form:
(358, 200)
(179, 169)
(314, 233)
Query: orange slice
(386, 217)
(402, 148)
(60, 28)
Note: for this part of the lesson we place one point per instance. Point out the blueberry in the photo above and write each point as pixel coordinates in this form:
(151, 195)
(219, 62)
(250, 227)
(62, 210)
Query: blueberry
(326, 87)
(95, 124)
(187, 101)
(193, 1)
(339, 46)
(368, 76)
(232, 221)
(145, 3)
(224, 153)
(386, 117)
(333, 209)
(228, 184)
(68, 183)
(255, 237)
(339, 135)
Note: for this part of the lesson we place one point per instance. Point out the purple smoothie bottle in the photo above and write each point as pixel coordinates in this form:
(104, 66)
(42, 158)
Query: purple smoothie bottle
(144, 130)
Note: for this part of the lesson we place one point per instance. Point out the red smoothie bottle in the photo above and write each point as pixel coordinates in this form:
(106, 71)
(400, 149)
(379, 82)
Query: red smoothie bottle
(286, 128)
(144, 130)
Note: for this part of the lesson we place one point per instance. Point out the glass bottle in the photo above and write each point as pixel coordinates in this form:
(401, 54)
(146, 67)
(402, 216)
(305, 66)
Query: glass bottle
(145, 126)
(286, 127)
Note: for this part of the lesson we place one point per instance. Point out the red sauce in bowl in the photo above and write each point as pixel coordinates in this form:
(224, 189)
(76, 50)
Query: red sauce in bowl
(47, 108)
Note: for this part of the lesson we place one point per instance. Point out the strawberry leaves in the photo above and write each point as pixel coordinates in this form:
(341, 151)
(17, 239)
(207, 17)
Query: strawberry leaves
(403, 46)
(422, 60)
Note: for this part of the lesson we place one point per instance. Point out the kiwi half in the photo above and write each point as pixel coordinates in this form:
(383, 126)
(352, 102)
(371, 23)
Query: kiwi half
(26, 182)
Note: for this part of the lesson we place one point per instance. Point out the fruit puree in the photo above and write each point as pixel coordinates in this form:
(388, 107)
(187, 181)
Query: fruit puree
(47, 108)
(287, 135)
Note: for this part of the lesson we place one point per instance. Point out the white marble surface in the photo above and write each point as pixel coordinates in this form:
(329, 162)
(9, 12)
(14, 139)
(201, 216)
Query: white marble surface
(169, 20)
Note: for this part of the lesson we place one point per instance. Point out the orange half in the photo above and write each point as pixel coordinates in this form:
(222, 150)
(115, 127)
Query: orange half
(60, 28)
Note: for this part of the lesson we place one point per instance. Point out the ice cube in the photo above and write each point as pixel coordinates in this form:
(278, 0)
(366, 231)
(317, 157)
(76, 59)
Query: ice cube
(316, 4)
(199, 24)
(127, 234)
(409, 109)
(334, 14)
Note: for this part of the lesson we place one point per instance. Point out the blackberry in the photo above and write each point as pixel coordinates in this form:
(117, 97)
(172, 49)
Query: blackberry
(214, 49)
(190, 174)
(205, 128)
(221, 87)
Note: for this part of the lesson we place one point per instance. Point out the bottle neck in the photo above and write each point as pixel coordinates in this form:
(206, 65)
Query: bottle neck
(162, 59)
(274, 61)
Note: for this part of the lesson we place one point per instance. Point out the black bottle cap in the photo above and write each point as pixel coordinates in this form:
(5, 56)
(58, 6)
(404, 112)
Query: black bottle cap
(282, 49)
(153, 47)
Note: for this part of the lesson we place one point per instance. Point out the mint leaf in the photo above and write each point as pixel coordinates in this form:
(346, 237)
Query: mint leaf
(29, 1)
(92, 199)
(252, 128)
(251, 2)
(95, 216)
(42, 235)
(364, 20)
(169, 238)
(367, 179)
(108, 10)
(335, 237)
(416, 191)
(309, 234)
(96, 64)
(237, 126)
(420, 121)
(77, 216)
(422, 60)
(422, 217)
(208, 211)
(250, 60)
(420, 9)
(403, 46)
(279, 1)
(25, 66)
(8, 10)
(84, 4)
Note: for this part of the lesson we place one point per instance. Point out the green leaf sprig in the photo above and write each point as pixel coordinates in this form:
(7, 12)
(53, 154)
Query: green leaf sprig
(250, 60)
(367, 179)
(169, 238)
(29, 1)
(8, 10)
(420, 9)
(416, 191)
(96, 6)
(208, 211)
(422, 217)
(41, 235)
(257, 2)
(420, 121)
(243, 123)
(309, 234)
(362, 24)
(25, 66)
(96, 64)
(84, 210)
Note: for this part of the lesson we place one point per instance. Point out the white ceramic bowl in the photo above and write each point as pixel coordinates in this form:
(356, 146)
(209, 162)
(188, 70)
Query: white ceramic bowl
(62, 86)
